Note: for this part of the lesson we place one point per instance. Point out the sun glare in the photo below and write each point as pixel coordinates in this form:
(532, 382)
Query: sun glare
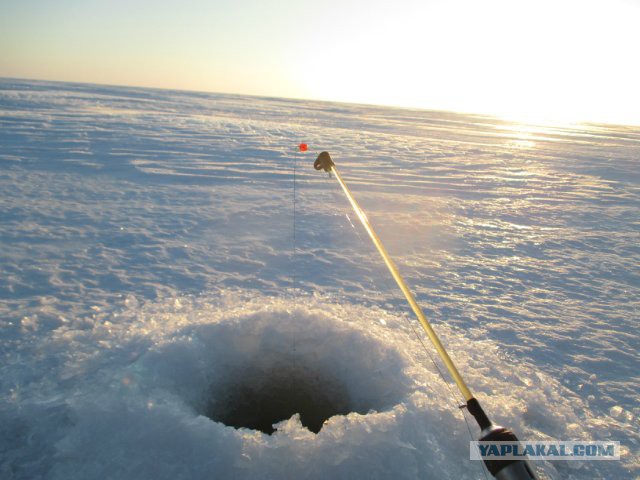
(534, 63)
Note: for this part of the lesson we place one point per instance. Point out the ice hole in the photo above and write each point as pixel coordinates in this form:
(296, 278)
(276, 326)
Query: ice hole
(257, 400)
(255, 371)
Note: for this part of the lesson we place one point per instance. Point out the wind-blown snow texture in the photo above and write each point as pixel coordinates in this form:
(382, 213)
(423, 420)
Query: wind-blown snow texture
(147, 262)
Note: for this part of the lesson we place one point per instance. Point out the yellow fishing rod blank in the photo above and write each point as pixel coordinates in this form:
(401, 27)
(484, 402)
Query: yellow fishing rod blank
(500, 469)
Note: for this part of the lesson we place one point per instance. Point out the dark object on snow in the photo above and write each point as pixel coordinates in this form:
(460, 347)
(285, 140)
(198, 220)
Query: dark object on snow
(323, 162)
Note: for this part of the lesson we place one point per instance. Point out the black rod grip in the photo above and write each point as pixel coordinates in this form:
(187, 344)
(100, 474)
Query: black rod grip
(478, 413)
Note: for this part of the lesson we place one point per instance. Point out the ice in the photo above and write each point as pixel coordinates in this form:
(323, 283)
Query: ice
(153, 284)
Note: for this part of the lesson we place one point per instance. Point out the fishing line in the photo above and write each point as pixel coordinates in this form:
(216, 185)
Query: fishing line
(511, 469)
(294, 253)
(453, 397)
(337, 193)
(294, 277)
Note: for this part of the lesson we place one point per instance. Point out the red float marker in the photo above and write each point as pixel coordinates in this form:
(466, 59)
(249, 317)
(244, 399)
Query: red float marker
(303, 147)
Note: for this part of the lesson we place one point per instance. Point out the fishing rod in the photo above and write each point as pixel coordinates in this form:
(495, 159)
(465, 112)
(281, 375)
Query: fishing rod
(501, 469)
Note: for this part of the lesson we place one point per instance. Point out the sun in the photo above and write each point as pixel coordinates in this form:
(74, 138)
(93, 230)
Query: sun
(538, 62)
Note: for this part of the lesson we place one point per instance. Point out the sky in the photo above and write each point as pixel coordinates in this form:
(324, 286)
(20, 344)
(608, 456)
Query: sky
(544, 60)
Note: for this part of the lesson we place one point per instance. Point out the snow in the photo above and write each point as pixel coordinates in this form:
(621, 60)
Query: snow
(153, 275)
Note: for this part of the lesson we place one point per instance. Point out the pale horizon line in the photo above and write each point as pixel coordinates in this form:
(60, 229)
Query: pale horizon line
(494, 116)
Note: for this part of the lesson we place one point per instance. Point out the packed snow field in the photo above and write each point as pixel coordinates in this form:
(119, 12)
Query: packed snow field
(171, 268)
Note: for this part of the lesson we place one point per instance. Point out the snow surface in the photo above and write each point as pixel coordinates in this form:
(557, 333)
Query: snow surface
(152, 268)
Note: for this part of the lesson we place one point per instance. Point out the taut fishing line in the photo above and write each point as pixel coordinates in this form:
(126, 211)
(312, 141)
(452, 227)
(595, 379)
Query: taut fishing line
(294, 278)
(453, 397)
(512, 469)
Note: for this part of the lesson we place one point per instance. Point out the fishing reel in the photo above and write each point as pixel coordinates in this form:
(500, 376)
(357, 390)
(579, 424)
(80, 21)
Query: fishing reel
(516, 469)
(506, 469)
